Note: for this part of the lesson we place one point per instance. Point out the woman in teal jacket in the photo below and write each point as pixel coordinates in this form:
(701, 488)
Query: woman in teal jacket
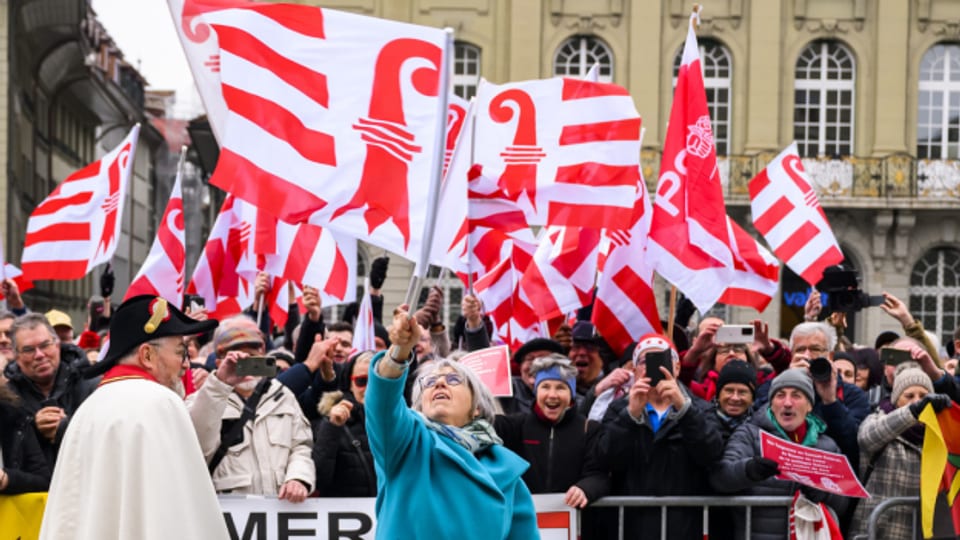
(442, 473)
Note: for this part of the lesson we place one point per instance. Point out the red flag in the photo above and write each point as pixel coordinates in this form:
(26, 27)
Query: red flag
(162, 273)
(14, 273)
(756, 272)
(78, 225)
(688, 235)
(787, 213)
(363, 331)
(561, 276)
(216, 276)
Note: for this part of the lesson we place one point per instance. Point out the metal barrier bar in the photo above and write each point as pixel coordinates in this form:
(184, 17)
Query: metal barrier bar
(664, 503)
(874, 519)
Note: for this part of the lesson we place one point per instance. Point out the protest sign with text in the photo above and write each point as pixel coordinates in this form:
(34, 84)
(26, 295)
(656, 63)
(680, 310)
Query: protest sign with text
(492, 365)
(812, 467)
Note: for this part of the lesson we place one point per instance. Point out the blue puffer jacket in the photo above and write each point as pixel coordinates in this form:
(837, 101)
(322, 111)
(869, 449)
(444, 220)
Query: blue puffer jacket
(430, 487)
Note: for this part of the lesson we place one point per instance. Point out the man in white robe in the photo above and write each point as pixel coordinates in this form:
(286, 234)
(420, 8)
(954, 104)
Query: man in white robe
(130, 465)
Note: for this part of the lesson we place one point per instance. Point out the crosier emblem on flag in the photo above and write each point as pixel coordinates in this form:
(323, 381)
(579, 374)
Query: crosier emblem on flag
(162, 273)
(77, 226)
(787, 213)
(689, 239)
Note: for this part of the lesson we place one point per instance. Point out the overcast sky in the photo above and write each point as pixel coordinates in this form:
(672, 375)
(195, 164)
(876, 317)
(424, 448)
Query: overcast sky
(145, 33)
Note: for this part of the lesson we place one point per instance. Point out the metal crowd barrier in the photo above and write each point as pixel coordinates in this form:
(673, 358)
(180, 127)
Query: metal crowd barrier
(874, 519)
(706, 502)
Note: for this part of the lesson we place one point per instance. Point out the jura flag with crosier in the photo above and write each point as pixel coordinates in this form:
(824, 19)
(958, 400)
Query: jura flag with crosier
(565, 150)
(162, 273)
(77, 227)
(688, 234)
(330, 117)
(787, 213)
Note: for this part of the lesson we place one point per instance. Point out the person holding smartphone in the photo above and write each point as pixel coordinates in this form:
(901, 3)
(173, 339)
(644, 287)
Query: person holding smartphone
(659, 440)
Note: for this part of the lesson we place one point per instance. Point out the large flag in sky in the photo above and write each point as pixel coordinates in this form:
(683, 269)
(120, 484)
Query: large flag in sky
(756, 271)
(77, 227)
(689, 241)
(162, 273)
(566, 151)
(325, 116)
(787, 213)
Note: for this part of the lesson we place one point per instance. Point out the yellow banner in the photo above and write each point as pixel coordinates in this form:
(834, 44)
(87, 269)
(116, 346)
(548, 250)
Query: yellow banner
(21, 515)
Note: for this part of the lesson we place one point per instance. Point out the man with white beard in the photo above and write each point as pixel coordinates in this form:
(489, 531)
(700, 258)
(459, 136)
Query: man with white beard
(243, 452)
(129, 464)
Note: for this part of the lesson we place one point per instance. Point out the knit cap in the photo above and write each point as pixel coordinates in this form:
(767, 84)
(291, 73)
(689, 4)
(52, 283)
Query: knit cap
(793, 378)
(738, 371)
(906, 379)
(237, 331)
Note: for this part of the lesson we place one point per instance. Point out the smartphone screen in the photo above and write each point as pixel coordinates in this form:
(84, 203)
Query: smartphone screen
(893, 357)
(257, 366)
(653, 361)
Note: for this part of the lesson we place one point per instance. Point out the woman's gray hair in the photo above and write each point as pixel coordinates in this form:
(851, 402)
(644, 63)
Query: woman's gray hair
(483, 400)
(559, 361)
(805, 329)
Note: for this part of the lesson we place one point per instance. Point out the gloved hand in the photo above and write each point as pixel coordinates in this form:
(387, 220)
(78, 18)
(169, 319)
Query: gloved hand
(429, 314)
(761, 468)
(939, 402)
(378, 272)
(106, 281)
(814, 495)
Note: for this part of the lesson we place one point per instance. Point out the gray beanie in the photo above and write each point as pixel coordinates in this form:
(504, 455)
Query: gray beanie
(793, 378)
(907, 378)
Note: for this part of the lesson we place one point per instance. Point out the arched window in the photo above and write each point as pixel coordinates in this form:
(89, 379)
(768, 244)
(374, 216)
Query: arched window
(578, 54)
(716, 63)
(823, 100)
(466, 69)
(935, 291)
(938, 110)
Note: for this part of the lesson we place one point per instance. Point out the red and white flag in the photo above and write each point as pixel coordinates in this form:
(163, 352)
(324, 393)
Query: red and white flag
(363, 331)
(561, 276)
(162, 273)
(323, 102)
(756, 271)
(565, 150)
(625, 307)
(77, 227)
(787, 213)
(450, 241)
(12, 272)
(689, 241)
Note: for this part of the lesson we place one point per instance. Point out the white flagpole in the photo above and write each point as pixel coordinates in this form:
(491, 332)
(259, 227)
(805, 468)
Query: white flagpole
(440, 145)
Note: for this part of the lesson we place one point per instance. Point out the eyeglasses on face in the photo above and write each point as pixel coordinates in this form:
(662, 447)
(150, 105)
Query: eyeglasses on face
(180, 351)
(360, 380)
(45, 346)
(452, 379)
(812, 349)
(727, 349)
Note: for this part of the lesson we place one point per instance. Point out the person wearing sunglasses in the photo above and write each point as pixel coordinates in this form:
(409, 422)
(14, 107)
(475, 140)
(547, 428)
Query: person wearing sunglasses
(341, 452)
(442, 471)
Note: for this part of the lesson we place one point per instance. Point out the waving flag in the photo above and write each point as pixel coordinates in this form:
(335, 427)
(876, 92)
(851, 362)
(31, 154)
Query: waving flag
(756, 272)
(77, 227)
(162, 273)
(940, 467)
(12, 272)
(689, 241)
(625, 307)
(449, 247)
(565, 150)
(363, 331)
(787, 213)
(561, 276)
(323, 102)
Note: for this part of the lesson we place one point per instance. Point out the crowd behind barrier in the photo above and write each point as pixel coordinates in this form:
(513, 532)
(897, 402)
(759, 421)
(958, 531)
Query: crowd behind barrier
(661, 440)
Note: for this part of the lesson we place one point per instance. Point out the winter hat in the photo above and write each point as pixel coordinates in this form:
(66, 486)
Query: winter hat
(906, 379)
(793, 378)
(738, 371)
(650, 342)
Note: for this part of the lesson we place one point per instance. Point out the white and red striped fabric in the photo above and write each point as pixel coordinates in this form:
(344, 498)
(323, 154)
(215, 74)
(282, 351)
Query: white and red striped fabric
(12, 272)
(325, 102)
(625, 307)
(787, 213)
(77, 227)
(514, 320)
(162, 273)
(756, 271)
(565, 150)
(561, 276)
(449, 247)
(458, 118)
(363, 331)
(689, 241)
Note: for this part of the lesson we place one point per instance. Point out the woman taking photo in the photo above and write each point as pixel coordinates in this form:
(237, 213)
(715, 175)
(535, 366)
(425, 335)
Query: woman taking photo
(442, 472)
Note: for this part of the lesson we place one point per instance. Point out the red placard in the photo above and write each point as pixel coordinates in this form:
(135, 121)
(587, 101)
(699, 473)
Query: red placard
(492, 365)
(812, 467)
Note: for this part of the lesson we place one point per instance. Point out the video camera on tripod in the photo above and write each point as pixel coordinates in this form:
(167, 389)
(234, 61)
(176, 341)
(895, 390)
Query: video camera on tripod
(842, 289)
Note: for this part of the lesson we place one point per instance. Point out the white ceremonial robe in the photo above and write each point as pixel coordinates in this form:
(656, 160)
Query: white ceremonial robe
(130, 467)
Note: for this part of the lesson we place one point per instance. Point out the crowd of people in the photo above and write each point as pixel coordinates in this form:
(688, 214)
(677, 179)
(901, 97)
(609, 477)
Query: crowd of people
(410, 425)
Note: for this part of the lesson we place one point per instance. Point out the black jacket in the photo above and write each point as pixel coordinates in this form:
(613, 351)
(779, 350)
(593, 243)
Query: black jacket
(69, 391)
(675, 460)
(561, 455)
(23, 461)
(342, 457)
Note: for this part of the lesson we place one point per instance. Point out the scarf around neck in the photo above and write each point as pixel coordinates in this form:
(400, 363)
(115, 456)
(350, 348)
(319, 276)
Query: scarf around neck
(475, 436)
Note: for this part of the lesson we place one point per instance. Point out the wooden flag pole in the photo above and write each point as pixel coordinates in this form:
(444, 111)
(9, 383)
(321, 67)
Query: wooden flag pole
(673, 312)
(260, 299)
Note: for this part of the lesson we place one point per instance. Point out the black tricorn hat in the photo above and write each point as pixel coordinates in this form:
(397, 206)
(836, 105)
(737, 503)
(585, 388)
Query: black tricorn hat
(141, 319)
(537, 344)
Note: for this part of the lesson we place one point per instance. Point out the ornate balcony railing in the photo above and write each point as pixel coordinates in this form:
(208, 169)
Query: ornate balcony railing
(897, 176)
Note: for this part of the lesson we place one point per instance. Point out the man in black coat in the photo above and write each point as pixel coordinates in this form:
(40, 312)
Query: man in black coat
(660, 440)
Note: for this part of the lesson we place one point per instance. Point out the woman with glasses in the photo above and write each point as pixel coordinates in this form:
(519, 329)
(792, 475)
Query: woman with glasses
(341, 452)
(442, 472)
